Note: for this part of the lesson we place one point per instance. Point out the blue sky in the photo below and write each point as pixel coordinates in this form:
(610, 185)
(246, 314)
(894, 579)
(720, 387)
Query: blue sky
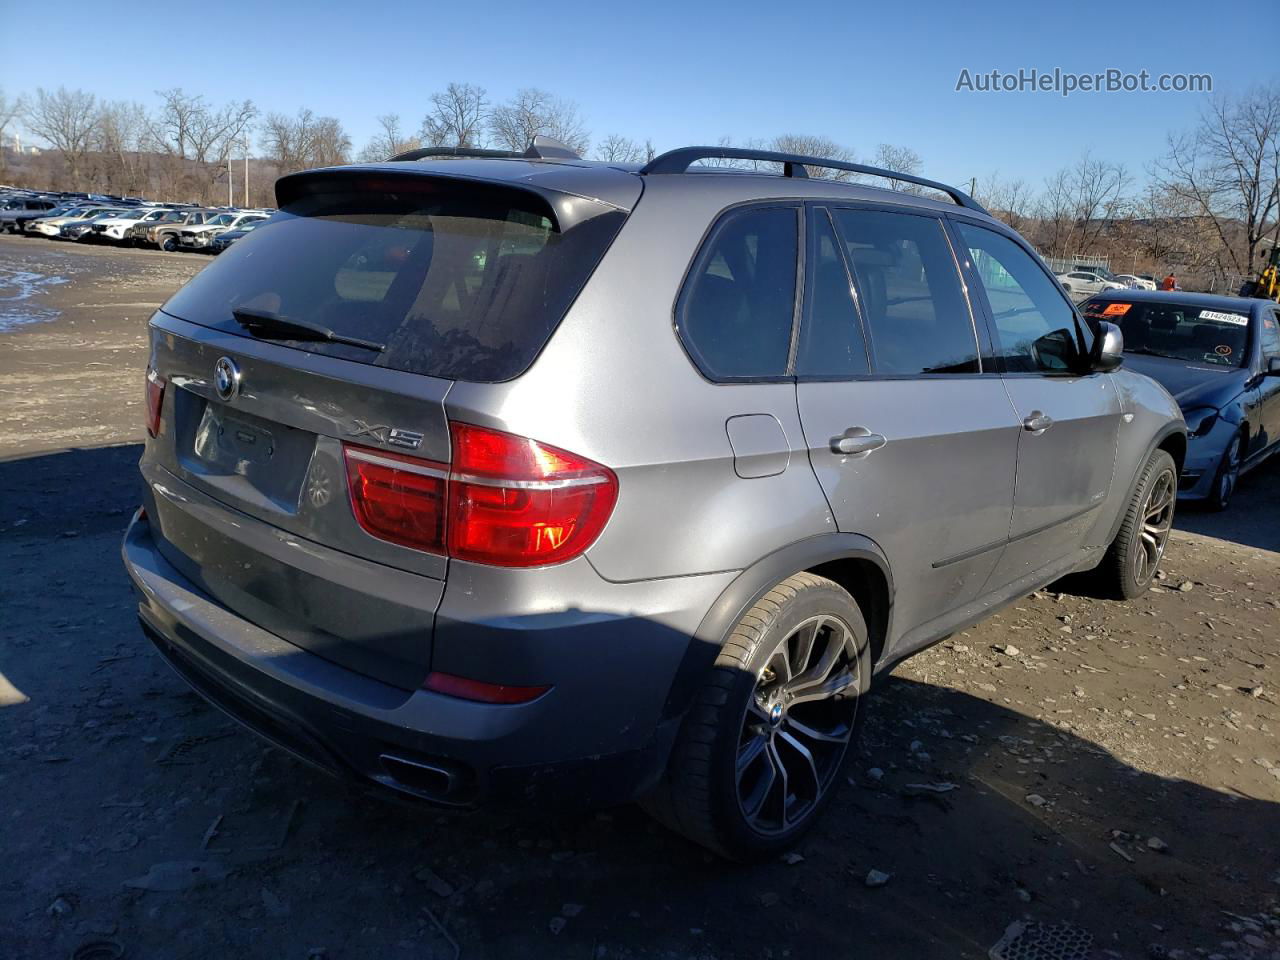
(680, 73)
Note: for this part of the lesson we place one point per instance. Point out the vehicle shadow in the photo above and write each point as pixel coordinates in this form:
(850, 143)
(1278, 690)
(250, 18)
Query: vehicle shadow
(964, 863)
(981, 815)
(1252, 519)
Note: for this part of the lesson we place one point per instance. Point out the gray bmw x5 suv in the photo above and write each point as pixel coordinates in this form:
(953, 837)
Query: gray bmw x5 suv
(522, 478)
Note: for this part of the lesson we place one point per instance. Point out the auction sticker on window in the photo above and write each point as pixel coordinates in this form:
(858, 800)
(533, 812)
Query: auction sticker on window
(1237, 319)
(1116, 309)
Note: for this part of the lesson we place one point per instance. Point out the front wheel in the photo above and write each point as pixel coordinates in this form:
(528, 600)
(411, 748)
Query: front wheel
(169, 244)
(1134, 555)
(759, 754)
(1227, 476)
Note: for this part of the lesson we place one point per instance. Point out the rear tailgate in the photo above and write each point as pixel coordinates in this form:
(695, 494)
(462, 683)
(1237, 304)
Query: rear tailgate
(344, 320)
(259, 516)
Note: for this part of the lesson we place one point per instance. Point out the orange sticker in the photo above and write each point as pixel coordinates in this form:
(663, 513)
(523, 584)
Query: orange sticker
(1116, 309)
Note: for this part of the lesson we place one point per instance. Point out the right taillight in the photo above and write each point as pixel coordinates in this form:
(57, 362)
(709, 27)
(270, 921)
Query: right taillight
(155, 401)
(398, 498)
(504, 500)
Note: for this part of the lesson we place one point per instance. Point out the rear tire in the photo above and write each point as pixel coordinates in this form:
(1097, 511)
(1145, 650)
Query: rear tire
(1134, 556)
(759, 753)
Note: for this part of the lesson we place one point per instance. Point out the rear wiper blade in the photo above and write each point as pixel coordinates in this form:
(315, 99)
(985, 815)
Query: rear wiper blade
(269, 326)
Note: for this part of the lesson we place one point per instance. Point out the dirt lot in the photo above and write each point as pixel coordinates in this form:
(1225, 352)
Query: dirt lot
(1070, 761)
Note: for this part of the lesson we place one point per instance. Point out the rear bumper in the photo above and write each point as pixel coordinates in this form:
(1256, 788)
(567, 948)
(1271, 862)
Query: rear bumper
(610, 679)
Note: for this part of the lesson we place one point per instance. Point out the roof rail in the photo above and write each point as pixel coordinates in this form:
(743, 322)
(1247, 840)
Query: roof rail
(793, 164)
(540, 148)
(428, 152)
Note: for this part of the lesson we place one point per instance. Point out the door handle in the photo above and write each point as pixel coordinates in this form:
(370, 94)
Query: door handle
(857, 441)
(1038, 422)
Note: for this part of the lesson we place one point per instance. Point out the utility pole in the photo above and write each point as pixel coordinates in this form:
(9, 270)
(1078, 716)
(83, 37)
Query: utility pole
(973, 186)
(246, 170)
(231, 183)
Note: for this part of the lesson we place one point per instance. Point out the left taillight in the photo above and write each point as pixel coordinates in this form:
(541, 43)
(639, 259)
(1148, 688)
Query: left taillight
(155, 401)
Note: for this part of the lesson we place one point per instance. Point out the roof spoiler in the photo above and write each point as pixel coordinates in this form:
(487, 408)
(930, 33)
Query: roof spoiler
(540, 148)
(793, 165)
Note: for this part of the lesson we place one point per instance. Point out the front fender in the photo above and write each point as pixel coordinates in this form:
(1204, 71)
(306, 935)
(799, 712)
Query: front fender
(1152, 417)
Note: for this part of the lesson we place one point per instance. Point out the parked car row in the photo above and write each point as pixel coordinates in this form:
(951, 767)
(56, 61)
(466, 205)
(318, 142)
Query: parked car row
(1089, 280)
(125, 220)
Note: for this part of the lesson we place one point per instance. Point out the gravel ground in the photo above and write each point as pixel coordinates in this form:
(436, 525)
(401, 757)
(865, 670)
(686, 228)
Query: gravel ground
(1113, 768)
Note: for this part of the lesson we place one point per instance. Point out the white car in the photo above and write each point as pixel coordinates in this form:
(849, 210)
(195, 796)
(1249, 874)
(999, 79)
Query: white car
(200, 236)
(1136, 283)
(1080, 284)
(52, 226)
(117, 227)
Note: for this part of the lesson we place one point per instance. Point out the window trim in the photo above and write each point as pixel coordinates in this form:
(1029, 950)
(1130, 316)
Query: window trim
(813, 211)
(997, 361)
(699, 258)
(940, 219)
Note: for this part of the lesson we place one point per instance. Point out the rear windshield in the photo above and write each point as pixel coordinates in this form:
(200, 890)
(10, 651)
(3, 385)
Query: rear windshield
(456, 279)
(1177, 330)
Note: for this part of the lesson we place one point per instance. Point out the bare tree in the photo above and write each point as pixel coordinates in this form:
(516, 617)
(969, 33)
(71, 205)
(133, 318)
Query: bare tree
(388, 141)
(533, 112)
(303, 141)
(1228, 168)
(189, 128)
(619, 149)
(192, 129)
(10, 110)
(901, 160)
(1081, 203)
(1006, 200)
(457, 117)
(120, 137)
(66, 119)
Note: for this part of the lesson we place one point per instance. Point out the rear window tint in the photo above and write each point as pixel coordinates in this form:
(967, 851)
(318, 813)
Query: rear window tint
(736, 311)
(916, 312)
(458, 280)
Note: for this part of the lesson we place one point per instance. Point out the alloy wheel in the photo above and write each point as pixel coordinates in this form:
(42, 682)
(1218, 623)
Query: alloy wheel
(798, 724)
(1230, 471)
(1157, 520)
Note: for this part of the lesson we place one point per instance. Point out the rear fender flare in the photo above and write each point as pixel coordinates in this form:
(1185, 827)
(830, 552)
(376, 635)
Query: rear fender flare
(748, 587)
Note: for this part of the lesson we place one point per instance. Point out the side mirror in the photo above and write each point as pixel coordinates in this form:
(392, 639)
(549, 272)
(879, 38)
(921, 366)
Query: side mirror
(1108, 348)
(1273, 368)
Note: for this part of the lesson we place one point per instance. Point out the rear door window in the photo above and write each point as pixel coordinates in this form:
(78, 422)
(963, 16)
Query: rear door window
(455, 279)
(914, 306)
(737, 309)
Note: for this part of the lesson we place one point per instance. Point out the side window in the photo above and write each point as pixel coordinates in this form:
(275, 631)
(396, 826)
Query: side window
(736, 311)
(831, 341)
(1035, 326)
(912, 301)
(1270, 335)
